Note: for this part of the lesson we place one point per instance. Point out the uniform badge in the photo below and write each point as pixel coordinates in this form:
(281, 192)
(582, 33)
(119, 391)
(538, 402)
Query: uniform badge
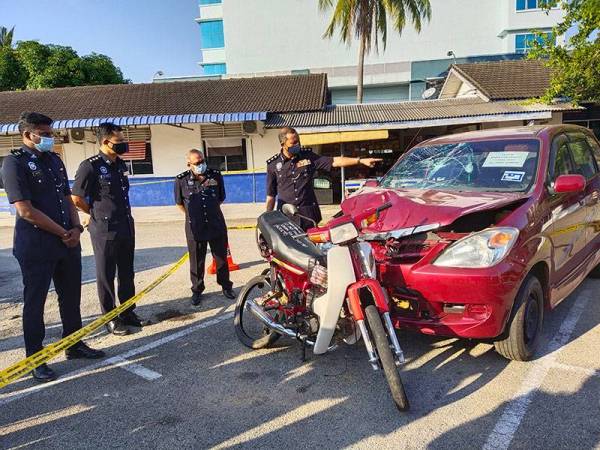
(304, 162)
(103, 170)
(279, 165)
(212, 182)
(190, 183)
(32, 165)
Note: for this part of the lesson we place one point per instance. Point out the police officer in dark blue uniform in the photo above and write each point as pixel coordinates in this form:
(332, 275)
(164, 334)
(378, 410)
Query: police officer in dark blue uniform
(199, 193)
(46, 240)
(290, 176)
(101, 189)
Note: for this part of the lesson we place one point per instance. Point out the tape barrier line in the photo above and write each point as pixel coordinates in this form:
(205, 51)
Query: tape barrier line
(23, 367)
(241, 227)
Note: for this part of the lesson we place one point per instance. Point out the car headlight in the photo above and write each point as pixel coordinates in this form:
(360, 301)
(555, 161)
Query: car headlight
(483, 249)
(343, 233)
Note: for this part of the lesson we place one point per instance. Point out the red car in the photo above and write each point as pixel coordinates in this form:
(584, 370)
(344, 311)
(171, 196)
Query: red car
(487, 231)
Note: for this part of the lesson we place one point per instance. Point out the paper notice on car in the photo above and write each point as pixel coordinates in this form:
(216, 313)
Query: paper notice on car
(505, 159)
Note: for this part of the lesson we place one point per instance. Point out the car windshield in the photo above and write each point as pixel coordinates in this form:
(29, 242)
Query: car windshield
(495, 165)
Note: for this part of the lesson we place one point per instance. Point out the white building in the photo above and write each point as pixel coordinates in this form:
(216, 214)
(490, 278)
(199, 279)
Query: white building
(244, 37)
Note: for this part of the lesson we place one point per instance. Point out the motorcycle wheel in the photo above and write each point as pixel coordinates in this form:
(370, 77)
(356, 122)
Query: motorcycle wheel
(248, 328)
(382, 345)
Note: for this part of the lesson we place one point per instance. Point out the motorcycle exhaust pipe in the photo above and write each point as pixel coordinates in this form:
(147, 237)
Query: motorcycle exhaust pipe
(271, 324)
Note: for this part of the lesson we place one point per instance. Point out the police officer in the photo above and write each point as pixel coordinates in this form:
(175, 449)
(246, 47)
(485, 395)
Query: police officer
(46, 240)
(199, 193)
(290, 176)
(101, 189)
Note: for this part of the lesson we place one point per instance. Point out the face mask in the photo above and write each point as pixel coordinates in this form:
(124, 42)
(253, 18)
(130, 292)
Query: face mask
(199, 169)
(46, 144)
(294, 149)
(120, 148)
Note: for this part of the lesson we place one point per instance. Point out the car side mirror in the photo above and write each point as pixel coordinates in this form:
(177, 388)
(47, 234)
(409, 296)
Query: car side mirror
(289, 210)
(371, 183)
(569, 184)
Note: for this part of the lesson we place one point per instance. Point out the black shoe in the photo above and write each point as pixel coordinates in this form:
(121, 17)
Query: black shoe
(117, 327)
(196, 298)
(82, 351)
(132, 319)
(229, 293)
(43, 374)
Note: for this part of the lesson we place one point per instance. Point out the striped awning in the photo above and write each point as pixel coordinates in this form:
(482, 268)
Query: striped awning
(148, 120)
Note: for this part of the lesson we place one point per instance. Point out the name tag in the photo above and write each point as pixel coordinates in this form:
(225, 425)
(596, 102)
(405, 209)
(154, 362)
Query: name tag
(212, 182)
(304, 162)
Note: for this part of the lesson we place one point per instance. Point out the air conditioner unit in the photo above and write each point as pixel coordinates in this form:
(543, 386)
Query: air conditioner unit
(253, 127)
(77, 134)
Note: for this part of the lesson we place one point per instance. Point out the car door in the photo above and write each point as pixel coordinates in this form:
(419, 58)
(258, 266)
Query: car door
(567, 216)
(586, 165)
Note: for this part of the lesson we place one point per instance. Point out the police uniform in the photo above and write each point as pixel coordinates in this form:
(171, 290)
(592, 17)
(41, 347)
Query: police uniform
(105, 186)
(204, 224)
(291, 180)
(42, 179)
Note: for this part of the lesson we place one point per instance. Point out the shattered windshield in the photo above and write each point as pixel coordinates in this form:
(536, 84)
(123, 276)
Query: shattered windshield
(496, 165)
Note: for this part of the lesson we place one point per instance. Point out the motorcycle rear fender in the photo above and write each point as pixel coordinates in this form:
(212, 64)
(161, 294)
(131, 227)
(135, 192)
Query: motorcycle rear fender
(340, 273)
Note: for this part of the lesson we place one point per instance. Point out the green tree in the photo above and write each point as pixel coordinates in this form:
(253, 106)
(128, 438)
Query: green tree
(367, 21)
(6, 36)
(576, 65)
(99, 69)
(12, 75)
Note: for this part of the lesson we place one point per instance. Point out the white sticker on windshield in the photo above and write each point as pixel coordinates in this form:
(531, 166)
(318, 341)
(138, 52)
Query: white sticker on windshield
(505, 159)
(513, 176)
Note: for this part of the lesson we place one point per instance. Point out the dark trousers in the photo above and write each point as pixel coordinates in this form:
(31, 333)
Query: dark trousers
(197, 249)
(65, 271)
(112, 256)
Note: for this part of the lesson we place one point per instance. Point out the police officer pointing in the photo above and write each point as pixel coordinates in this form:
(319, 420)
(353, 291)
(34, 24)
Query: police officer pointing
(101, 189)
(290, 176)
(199, 193)
(46, 240)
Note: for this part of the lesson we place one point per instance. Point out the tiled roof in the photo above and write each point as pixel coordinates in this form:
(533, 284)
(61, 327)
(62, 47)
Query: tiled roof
(343, 115)
(265, 94)
(507, 80)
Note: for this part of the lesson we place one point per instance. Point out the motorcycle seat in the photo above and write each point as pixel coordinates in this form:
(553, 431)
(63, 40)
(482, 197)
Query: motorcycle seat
(288, 241)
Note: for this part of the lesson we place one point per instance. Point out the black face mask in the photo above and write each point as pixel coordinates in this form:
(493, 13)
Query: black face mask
(120, 147)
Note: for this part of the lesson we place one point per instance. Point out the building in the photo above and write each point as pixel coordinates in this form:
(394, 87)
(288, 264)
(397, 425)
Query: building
(249, 37)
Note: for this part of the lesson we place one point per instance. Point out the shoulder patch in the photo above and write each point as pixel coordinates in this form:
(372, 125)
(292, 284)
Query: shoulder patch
(17, 152)
(183, 174)
(272, 158)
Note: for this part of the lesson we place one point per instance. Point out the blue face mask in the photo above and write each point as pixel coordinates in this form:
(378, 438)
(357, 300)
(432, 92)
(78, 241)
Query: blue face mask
(199, 169)
(294, 149)
(46, 144)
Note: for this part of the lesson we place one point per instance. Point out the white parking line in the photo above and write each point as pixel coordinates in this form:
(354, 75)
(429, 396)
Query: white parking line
(134, 368)
(12, 396)
(504, 431)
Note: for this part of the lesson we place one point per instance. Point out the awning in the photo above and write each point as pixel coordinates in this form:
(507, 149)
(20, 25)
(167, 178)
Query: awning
(148, 120)
(309, 139)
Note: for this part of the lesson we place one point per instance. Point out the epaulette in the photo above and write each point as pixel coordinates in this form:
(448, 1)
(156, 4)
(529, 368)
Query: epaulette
(183, 174)
(306, 151)
(17, 152)
(93, 158)
(273, 158)
(213, 171)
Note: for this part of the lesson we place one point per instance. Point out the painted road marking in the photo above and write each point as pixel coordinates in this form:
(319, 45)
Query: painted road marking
(506, 427)
(12, 396)
(135, 368)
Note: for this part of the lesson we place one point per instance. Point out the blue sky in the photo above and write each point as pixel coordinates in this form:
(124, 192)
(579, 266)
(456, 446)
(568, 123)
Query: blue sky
(141, 36)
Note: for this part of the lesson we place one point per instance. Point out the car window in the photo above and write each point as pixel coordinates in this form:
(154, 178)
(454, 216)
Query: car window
(583, 158)
(595, 148)
(562, 163)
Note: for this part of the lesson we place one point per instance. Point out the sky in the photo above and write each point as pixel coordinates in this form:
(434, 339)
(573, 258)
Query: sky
(141, 36)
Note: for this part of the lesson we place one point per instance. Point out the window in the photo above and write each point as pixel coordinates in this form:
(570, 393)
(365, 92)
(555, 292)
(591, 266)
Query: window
(523, 5)
(211, 34)
(524, 42)
(139, 156)
(141, 166)
(226, 155)
(595, 149)
(209, 2)
(562, 164)
(583, 158)
(214, 69)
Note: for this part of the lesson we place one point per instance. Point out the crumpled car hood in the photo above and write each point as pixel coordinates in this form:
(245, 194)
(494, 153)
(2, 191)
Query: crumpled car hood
(418, 208)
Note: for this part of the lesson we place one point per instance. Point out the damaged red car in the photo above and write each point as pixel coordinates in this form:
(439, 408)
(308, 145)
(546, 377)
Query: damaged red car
(488, 230)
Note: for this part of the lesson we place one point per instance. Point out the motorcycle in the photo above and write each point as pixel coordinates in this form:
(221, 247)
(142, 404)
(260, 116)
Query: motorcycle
(321, 288)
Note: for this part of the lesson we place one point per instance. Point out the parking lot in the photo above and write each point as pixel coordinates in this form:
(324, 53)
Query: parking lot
(187, 382)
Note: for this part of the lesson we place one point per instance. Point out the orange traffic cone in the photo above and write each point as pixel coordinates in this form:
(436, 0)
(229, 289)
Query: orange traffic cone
(232, 266)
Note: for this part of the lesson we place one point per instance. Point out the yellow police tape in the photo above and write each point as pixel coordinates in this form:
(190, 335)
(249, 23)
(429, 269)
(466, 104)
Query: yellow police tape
(25, 366)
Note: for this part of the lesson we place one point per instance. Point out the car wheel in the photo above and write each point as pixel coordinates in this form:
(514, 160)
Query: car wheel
(524, 329)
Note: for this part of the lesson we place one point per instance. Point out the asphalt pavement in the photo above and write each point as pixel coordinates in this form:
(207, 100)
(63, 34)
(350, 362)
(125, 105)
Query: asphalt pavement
(186, 382)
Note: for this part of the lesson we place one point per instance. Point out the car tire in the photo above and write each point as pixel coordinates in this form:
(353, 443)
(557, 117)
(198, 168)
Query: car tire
(524, 329)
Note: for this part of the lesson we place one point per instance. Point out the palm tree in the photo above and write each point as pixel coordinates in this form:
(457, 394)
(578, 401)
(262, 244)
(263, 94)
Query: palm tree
(367, 21)
(6, 36)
